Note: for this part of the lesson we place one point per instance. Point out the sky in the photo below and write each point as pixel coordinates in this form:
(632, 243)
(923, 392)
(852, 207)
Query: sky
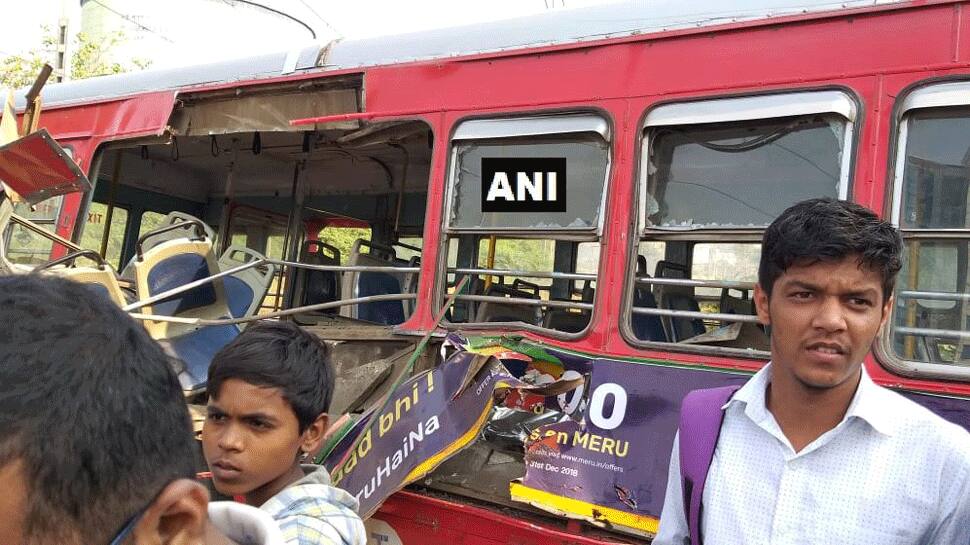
(178, 40)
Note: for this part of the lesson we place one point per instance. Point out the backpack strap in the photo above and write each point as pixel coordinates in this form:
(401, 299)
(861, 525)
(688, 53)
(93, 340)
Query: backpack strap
(700, 425)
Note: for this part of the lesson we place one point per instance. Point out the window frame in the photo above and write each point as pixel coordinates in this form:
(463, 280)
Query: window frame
(559, 123)
(520, 127)
(919, 97)
(731, 109)
(741, 109)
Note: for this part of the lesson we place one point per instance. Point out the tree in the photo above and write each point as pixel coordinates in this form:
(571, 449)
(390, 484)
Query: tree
(90, 58)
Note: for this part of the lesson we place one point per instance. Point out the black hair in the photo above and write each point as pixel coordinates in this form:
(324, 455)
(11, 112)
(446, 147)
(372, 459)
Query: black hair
(279, 355)
(829, 230)
(90, 406)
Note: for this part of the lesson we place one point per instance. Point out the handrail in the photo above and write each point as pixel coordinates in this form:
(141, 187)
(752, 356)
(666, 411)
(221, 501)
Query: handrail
(71, 257)
(527, 274)
(526, 302)
(934, 295)
(277, 314)
(345, 268)
(31, 226)
(256, 263)
(696, 283)
(184, 224)
(743, 318)
(926, 332)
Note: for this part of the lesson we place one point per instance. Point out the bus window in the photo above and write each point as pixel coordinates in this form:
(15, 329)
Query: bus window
(715, 173)
(150, 221)
(343, 238)
(930, 333)
(92, 236)
(534, 269)
(25, 247)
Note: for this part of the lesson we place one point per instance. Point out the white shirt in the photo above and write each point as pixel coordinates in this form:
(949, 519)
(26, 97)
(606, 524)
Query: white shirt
(245, 524)
(890, 473)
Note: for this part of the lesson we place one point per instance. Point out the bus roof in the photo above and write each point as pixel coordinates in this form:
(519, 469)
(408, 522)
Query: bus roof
(617, 20)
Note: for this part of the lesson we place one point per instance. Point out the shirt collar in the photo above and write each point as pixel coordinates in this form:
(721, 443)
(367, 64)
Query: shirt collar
(868, 403)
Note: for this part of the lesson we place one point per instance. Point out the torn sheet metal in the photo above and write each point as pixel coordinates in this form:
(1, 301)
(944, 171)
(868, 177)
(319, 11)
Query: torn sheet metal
(38, 168)
(429, 418)
(600, 452)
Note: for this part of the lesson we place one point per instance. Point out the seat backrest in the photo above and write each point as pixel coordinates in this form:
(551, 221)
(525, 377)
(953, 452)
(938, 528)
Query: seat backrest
(677, 298)
(366, 283)
(172, 264)
(246, 289)
(647, 327)
(151, 240)
(496, 311)
(315, 287)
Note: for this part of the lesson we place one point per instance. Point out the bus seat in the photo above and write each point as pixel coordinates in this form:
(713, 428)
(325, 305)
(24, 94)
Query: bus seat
(246, 289)
(100, 279)
(647, 327)
(561, 319)
(489, 311)
(196, 350)
(171, 264)
(677, 298)
(367, 283)
(315, 287)
(568, 320)
(160, 235)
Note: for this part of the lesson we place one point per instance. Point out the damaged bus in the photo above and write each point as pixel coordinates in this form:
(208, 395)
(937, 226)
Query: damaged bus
(386, 194)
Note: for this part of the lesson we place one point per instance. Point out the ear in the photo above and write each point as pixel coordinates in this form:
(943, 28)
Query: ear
(887, 308)
(313, 435)
(178, 516)
(761, 304)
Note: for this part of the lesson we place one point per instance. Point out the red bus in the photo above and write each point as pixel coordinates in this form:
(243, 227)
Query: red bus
(685, 130)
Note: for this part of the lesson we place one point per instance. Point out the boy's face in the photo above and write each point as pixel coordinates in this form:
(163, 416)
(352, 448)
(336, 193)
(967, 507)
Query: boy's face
(251, 440)
(823, 318)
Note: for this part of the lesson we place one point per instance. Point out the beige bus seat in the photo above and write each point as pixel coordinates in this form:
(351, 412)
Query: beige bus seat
(160, 235)
(175, 263)
(101, 278)
(315, 287)
(677, 298)
(246, 289)
(367, 283)
(508, 312)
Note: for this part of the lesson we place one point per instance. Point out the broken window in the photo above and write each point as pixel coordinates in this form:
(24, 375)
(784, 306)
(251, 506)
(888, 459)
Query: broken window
(533, 263)
(714, 174)
(930, 329)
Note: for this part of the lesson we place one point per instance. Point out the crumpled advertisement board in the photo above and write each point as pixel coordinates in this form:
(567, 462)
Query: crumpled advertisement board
(597, 450)
(427, 419)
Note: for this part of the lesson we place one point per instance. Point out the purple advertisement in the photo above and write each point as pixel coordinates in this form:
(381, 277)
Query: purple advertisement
(427, 419)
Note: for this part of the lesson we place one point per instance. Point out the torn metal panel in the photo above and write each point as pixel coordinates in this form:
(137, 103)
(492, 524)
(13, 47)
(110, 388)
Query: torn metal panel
(38, 168)
(263, 112)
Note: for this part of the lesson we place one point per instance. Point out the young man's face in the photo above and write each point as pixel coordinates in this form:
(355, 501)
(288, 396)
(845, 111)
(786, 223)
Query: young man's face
(823, 319)
(251, 440)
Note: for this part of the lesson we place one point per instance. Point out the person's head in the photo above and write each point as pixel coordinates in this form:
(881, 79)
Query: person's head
(825, 286)
(94, 431)
(269, 391)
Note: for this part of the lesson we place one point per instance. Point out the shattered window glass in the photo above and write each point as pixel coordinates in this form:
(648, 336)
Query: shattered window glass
(740, 174)
(932, 305)
(587, 161)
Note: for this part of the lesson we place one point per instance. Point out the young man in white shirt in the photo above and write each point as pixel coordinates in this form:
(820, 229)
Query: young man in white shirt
(810, 450)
